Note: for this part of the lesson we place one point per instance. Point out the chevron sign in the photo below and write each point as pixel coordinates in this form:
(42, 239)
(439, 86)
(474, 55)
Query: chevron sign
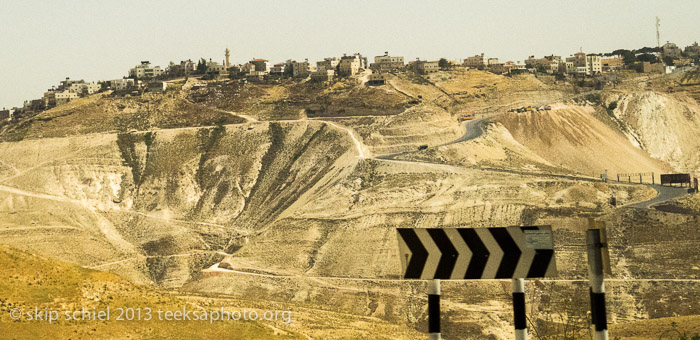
(481, 253)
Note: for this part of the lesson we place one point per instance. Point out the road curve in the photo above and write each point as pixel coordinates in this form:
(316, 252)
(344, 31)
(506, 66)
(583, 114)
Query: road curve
(664, 194)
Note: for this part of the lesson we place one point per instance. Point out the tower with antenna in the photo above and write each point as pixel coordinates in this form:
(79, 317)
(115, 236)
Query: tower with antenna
(658, 37)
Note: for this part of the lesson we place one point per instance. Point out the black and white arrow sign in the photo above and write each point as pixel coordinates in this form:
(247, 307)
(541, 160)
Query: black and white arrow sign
(481, 253)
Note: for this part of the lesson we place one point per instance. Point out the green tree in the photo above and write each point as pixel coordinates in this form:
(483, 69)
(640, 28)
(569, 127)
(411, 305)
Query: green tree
(443, 64)
(648, 57)
(202, 66)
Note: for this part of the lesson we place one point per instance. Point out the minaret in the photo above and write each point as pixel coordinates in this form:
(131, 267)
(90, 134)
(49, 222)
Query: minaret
(227, 54)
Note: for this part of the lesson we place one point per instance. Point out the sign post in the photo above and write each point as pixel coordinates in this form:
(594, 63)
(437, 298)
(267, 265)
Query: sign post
(477, 253)
(434, 309)
(519, 317)
(597, 285)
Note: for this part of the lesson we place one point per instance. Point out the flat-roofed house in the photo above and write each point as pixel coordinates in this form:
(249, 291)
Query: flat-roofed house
(145, 70)
(387, 63)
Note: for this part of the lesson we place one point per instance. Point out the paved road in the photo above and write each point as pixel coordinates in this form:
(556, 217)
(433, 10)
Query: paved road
(665, 193)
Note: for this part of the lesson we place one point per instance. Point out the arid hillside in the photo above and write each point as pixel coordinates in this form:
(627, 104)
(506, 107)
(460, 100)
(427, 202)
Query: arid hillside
(287, 195)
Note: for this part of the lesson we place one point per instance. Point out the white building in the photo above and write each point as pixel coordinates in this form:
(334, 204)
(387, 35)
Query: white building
(145, 70)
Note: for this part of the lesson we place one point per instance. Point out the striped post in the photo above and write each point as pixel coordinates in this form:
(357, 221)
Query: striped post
(434, 309)
(599, 322)
(519, 309)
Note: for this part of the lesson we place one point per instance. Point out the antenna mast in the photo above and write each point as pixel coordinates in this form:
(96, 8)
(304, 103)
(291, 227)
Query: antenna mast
(658, 40)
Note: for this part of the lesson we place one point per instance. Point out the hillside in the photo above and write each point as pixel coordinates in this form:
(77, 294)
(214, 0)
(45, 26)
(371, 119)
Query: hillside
(29, 281)
(286, 194)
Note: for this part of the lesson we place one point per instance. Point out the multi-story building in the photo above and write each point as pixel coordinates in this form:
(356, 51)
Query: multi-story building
(122, 84)
(693, 51)
(261, 65)
(64, 96)
(476, 61)
(145, 70)
(387, 63)
(350, 65)
(278, 69)
(215, 70)
(301, 69)
(593, 65)
(327, 64)
(670, 50)
(186, 67)
(497, 68)
(323, 75)
(492, 61)
(584, 64)
(424, 67)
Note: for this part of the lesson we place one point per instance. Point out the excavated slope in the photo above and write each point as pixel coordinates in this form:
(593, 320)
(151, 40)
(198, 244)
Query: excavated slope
(574, 139)
(666, 126)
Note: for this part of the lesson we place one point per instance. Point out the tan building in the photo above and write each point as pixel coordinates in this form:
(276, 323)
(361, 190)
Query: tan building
(262, 65)
(301, 69)
(122, 84)
(376, 79)
(567, 67)
(215, 70)
(349, 65)
(323, 75)
(425, 67)
(497, 68)
(157, 86)
(64, 97)
(186, 67)
(612, 64)
(693, 51)
(278, 69)
(492, 61)
(387, 63)
(476, 61)
(670, 50)
(647, 67)
(5, 115)
(327, 64)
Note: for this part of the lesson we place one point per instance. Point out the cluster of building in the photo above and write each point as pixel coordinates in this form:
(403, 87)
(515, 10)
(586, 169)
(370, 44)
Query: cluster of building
(325, 70)
(145, 77)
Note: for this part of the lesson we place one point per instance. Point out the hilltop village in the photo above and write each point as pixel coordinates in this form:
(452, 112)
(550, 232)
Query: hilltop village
(592, 68)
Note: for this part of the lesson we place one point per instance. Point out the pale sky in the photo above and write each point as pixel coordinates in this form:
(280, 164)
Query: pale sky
(42, 42)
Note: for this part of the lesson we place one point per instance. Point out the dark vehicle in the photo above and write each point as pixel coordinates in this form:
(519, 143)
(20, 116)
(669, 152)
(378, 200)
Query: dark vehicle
(422, 147)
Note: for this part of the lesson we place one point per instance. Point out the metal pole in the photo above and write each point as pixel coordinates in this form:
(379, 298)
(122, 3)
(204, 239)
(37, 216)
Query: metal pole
(652, 178)
(519, 309)
(618, 178)
(434, 309)
(629, 179)
(640, 178)
(597, 290)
